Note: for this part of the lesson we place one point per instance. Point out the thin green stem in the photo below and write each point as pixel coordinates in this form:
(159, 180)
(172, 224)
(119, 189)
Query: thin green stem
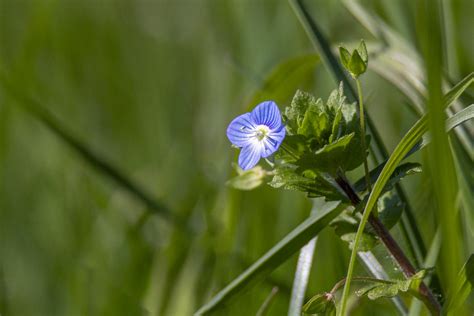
(362, 133)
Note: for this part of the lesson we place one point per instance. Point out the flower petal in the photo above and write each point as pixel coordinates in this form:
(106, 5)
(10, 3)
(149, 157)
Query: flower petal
(267, 113)
(250, 155)
(273, 141)
(241, 130)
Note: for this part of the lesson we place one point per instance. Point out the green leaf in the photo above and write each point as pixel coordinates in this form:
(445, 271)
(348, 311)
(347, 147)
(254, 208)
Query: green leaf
(313, 184)
(393, 287)
(463, 287)
(320, 305)
(336, 129)
(356, 65)
(315, 122)
(328, 158)
(390, 209)
(367, 242)
(362, 50)
(248, 179)
(288, 76)
(345, 57)
(282, 251)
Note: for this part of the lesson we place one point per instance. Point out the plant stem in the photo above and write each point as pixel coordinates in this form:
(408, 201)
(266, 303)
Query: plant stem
(362, 133)
(392, 246)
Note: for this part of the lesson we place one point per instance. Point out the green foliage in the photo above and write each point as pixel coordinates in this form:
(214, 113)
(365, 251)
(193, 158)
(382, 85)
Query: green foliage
(320, 305)
(248, 179)
(393, 287)
(357, 62)
(328, 131)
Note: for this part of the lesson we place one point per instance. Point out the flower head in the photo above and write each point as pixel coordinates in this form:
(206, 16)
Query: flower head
(258, 133)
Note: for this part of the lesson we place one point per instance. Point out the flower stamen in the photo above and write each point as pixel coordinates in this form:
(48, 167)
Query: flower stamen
(261, 131)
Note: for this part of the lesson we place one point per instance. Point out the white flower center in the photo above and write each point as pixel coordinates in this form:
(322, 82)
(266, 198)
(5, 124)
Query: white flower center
(261, 131)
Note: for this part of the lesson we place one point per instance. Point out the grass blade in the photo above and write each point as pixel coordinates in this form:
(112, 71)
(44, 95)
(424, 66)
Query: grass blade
(463, 286)
(303, 269)
(290, 244)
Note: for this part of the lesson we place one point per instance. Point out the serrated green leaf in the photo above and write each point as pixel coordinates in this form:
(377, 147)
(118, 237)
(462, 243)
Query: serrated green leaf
(315, 122)
(345, 57)
(248, 179)
(383, 290)
(329, 158)
(362, 50)
(337, 98)
(367, 242)
(336, 129)
(356, 65)
(386, 290)
(311, 183)
(295, 113)
(320, 305)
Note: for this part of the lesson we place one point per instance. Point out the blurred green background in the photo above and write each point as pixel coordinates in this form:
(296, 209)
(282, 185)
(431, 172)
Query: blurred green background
(150, 86)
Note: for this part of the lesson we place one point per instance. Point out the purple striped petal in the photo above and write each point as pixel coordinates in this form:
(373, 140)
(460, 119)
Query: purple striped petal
(273, 141)
(241, 130)
(267, 113)
(250, 155)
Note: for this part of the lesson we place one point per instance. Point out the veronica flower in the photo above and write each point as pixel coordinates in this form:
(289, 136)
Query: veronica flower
(258, 133)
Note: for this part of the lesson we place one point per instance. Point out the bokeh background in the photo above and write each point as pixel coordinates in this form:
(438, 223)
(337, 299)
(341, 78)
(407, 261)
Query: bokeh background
(148, 87)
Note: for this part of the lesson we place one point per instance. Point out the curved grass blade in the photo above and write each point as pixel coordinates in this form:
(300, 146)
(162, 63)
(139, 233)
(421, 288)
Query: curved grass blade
(463, 286)
(290, 244)
(410, 139)
(303, 269)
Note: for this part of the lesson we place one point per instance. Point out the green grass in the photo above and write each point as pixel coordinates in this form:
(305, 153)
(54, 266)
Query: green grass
(113, 154)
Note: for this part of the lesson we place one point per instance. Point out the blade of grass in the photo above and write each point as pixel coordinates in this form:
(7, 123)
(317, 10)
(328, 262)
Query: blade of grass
(440, 157)
(282, 251)
(303, 269)
(463, 286)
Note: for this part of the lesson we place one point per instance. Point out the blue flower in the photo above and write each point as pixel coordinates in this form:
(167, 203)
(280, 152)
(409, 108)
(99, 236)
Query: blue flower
(259, 133)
